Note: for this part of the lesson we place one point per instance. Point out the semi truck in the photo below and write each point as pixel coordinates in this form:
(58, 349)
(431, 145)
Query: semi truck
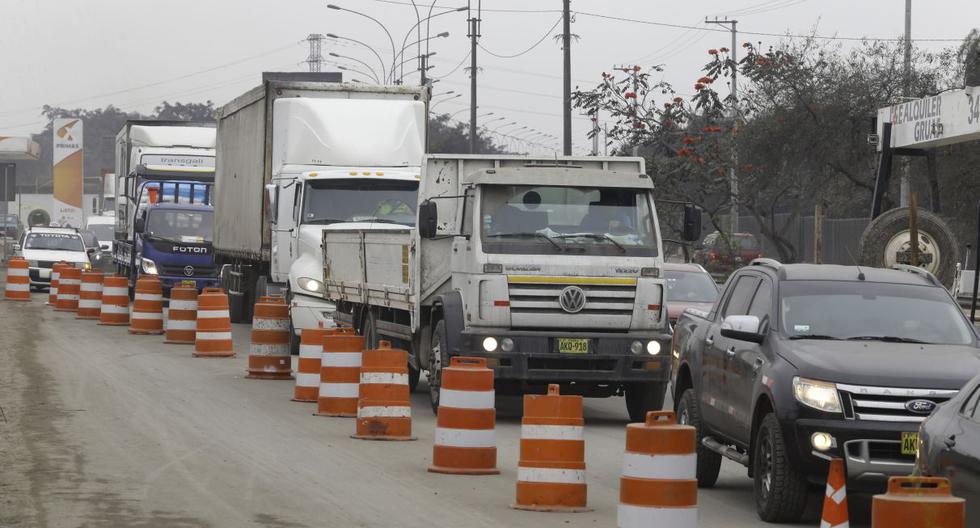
(300, 153)
(163, 221)
(550, 268)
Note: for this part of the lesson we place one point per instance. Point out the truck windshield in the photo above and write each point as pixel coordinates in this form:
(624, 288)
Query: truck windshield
(180, 226)
(54, 242)
(858, 310)
(532, 219)
(361, 200)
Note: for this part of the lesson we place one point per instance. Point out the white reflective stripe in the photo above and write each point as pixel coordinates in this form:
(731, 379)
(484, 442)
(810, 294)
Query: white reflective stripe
(304, 379)
(67, 297)
(341, 359)
(629, 516)
(115, 291)
(551, 475)
(825, 524)
(69, 282)
(113, 309)
(465, 437)
(384, 412)
(18, 272)
(270, 324)
(212, 314)
(148, 297)
(549, 432)
(214, 336)
(179, 304)
(338, 390)
(466, 399)
(18, 287)
(836, 495)
(670, 467)
(146, 315)
(181, 324)
(91, 287)
(310, 351)
(384, 377)
(89, 303)
(269, 350)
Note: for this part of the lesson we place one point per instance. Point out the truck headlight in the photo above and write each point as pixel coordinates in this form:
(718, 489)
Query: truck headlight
(653, 348)
(490, 344)
(149, 267)
(310, 285)
(817, 394)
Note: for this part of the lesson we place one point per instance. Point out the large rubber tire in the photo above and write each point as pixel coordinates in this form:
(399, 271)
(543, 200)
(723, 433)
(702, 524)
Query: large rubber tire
(413, 378)
(236, 308)
(780, 490)
(643, 397)
(369, 329)
(880, 231)
(438, 358)
(708, 462)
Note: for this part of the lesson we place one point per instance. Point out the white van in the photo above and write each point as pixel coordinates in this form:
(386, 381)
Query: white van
(104, 229)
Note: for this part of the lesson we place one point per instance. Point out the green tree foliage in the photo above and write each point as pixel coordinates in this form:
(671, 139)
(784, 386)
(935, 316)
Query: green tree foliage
(969, 54)
(448, 137)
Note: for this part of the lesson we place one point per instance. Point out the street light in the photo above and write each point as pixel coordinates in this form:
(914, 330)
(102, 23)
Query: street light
(364, 73)
(418, 23)
(371, 18)
(512, 123)
(421, 56)
(443, 101)
(370, 69)
(440, 94)
(402, 64)
(376, 54)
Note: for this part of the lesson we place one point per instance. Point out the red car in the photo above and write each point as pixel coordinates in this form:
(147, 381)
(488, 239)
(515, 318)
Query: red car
(717, 258)
(688, 286)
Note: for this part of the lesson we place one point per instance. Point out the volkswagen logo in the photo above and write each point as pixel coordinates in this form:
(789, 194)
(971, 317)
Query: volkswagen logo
(572, 299)
(189, 271)
(920, 406)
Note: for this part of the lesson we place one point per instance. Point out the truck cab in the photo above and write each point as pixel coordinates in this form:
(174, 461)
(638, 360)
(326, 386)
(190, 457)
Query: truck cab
(174, 243)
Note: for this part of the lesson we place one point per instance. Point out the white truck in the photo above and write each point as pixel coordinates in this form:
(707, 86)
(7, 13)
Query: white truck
(296, 156)
(550, 268)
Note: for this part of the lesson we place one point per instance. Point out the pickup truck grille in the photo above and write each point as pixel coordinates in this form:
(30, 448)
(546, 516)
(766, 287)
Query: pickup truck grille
(606, 305)
(887, 404)
(47, 264)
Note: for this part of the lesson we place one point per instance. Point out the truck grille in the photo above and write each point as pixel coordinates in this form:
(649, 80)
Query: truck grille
(887, 404)
(199, 271)
(537, 305)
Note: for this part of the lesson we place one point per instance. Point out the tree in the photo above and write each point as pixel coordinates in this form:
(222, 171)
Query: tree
(185, 111)
(969, 55)
(446, 137)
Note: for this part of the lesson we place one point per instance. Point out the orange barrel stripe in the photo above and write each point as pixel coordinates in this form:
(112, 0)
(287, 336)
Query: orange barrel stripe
(465, 440)
(308, 366)
(146, 318)
(182, 316)
(115, 301)
(268, 356)
(90, 295)
(340, 373)
(551, 470)
(18, 287)
(658, 486)
(53, 288)
(383, 408)
(918, 502)
(213, 335)
(69, 285)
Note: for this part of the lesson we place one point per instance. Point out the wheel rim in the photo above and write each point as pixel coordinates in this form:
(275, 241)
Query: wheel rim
(765, 456)
(902, 242)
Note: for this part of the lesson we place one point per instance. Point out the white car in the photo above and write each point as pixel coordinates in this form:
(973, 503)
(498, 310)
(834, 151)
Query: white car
(104, 229)
(43, 247)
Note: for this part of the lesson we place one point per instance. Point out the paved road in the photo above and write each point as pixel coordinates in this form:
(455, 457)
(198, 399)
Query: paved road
(101, 428)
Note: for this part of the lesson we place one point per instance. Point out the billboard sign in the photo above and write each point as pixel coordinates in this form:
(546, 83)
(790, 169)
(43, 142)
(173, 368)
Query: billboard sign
(943, 119)
(68, 173)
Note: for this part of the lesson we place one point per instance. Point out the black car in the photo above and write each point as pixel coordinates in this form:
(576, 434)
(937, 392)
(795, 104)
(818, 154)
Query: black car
(949, 446)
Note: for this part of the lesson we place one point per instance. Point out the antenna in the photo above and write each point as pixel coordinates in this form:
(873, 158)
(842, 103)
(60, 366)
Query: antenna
(856, 265)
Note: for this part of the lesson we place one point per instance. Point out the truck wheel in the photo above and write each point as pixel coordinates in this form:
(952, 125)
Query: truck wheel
(413, 378)
(370, 330)
(780, 490)
(643, 397)
(708, 462)
(438, 356)
(236, 308)
(888, 236)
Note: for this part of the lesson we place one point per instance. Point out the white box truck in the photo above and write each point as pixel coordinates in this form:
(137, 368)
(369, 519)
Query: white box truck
(550, 268)
(296, 155)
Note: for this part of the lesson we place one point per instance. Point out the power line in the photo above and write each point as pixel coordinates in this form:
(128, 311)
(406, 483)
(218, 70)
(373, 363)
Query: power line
(539, 41)
(458, 66)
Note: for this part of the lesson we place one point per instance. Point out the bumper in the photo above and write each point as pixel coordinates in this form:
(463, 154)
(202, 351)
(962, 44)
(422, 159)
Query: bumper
(40, 276)
(310, 312)
(169, 282)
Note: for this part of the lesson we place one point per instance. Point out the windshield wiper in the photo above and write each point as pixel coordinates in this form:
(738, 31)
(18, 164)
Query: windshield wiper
(323, 221)
(538, 235)
(594, 236)
(380, 221)
(815, 336)
(888, 339)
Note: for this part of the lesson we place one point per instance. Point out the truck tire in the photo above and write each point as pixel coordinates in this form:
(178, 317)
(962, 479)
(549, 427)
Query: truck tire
(780, 490)
(708, 462)
(369, 329)
(643, 397)
(889, 233)
(438, 356)
(413, 378)
(236, 308)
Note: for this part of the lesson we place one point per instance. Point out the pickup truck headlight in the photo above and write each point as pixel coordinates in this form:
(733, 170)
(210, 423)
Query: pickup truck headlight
(310, 285)
(149, 267)
(32, 264)
(817, 394)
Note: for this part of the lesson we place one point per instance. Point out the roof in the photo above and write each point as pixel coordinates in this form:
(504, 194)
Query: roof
(181, 206)
(678, 266)
(834, 272)
(57, 230)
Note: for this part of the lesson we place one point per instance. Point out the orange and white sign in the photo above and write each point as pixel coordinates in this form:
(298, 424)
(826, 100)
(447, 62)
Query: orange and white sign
(68, 171)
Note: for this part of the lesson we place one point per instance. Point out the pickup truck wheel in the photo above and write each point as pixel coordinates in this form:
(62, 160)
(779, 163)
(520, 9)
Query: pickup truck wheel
(438, 356)
(643, 397)
(780, 490)
(708, 462)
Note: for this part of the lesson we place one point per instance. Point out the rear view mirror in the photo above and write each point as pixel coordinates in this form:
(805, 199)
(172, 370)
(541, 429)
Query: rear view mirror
(428, 218)
(742, 328)
(692, 223)
(140, 225)
(271, 191)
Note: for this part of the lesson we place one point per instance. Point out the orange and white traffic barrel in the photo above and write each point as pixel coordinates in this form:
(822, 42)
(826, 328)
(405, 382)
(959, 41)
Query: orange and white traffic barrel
(18, 287)
(551, 470)
(918, 502)
(90, 295)
(383, 408)
(69, 285)
(308, 367)
(340, 373)
(465, 441)
(658, 486)
(182, 316)
(115, 301)
(213, 337)
(146, 317)
(268, 355)
(53, 286)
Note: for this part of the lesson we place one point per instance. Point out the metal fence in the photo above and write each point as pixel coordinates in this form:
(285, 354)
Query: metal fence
(841, 236)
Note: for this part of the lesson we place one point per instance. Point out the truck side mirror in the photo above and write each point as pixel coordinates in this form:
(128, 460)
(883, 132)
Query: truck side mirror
(271, 190)
(692, 223)
(140, 225)
(742, 328)
(428, 218)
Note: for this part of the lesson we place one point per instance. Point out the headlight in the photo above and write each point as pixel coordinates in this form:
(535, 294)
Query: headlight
(636, 347)
(32, 263)
(507, 344)
(149, 267)
(490, 344)
(85, 265)
(310, 285)
(653, 348)
(817, 394)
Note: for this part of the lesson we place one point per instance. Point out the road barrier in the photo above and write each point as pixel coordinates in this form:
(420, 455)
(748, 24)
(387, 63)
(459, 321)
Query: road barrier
(69, 286)
(465, 440)
(658, 486)
(835, 497)
(308, 367)
(115, 301)
(90, 295)
(340, 373)
(182, 316)
(213, 335)
(918, 502)
(146, 318)
(383, 408)
(18, 287)
(53, 286)
(551, 470)
(268, 355)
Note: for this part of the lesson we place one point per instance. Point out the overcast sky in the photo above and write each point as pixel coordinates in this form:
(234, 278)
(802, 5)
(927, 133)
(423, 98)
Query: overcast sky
(135, 53)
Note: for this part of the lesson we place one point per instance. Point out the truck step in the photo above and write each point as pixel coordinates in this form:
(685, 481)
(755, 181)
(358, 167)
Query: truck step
(725, 450)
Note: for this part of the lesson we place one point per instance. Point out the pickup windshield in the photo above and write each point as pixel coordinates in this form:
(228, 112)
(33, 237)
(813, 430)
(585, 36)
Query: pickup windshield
(54, 242)
(690, 286)
(180, 226)
(529, 219)
(874, 311)
(368, 199)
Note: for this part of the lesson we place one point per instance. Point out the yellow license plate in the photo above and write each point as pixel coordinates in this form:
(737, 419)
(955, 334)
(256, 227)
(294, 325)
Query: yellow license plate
(910, 443)
(573, 346)
(189, 283)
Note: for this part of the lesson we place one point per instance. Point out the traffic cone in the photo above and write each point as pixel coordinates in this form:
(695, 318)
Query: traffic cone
(918, 502)
(18, 287)
(268, 356)
(53, 286)
(69, 285)
(465, 440)
(340, 373)
(307, 386)
(90, 295)
(835, 498)
(146, 317)
(213, 337)
(383, 409)
(115, 301)
(182, 316)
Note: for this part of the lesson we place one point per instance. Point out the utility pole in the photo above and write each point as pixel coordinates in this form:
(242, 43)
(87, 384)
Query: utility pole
(906, 94)
(732, 171)
(315, 58)
(474, 34)
(595, 134)
(566, 110)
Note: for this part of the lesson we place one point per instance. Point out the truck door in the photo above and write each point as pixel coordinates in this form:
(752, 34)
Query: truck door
(282, 231)
(715, 408)
(744, 366)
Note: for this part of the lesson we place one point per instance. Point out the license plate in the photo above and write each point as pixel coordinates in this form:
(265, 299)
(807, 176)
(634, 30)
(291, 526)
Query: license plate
(910, 443)
(573, 346)
(189, 283)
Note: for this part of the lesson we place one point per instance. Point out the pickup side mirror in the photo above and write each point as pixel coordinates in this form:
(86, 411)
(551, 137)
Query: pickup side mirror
(428, 218)
(692, 223)
(16, 247)
(91, 250)
(742, 328)
(271, 191)
(140, 225)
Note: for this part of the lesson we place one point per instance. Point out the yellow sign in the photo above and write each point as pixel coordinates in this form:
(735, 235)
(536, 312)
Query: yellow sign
(67, 172)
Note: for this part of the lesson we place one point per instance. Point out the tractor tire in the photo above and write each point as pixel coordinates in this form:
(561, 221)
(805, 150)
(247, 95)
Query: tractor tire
(888, 234)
